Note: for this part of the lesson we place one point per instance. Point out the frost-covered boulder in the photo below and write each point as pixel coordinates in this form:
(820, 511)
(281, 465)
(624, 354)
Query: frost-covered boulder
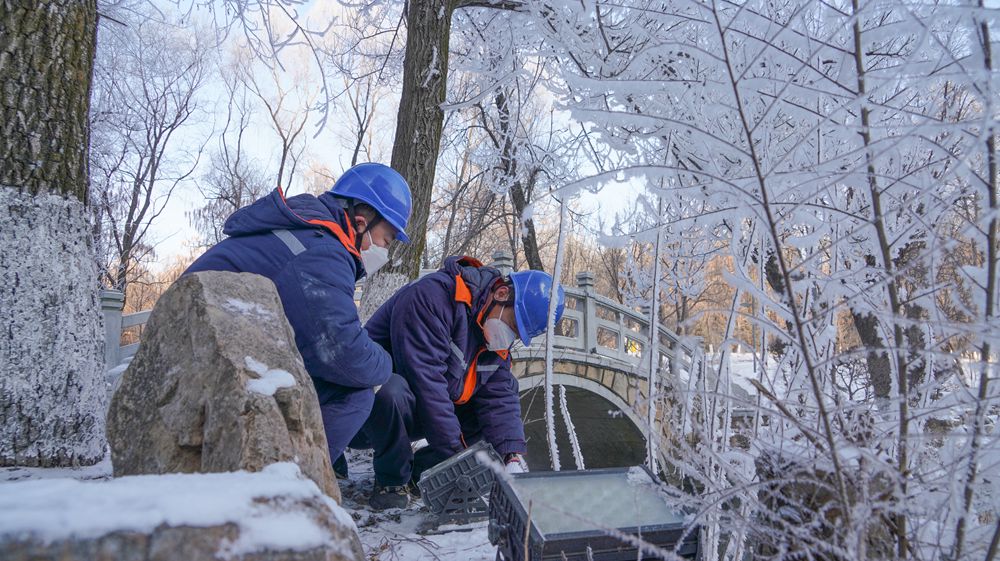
(274, 515)
(218, 385)
(800, 491)
(52, 397)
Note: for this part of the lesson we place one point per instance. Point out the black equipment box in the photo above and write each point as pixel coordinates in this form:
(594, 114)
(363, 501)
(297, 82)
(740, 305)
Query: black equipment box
(455, 490)
(584, 516)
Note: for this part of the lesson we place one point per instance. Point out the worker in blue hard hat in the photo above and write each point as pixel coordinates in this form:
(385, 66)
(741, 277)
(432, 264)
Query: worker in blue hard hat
(449, 335)
(315, 249)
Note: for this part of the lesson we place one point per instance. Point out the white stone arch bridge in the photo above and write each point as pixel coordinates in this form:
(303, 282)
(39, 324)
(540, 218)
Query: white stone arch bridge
(600, 357)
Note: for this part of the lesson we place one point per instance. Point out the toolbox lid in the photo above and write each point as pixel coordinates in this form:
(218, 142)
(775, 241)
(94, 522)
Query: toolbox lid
(581, 501)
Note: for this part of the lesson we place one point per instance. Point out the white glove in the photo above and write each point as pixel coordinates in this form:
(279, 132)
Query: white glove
(515, 464)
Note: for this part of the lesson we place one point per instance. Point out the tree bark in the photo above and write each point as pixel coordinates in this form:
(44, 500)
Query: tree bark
(520, 194)
(876, 352)
(529, 240)
(46, 59)
(52, 392)
(418, 140)
(420, 119)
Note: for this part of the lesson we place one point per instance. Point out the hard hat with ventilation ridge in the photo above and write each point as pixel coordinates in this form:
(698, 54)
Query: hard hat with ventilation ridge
(531, 302)
(383, 189)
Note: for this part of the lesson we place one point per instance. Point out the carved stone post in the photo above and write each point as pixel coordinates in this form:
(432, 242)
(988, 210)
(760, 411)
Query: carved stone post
(585, 281)
(112, 302)
(503, 261)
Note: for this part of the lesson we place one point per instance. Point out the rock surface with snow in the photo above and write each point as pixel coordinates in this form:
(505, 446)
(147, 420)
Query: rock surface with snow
(218, 385)
(275, 515)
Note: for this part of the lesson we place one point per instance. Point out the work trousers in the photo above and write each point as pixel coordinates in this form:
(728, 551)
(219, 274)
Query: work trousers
(393, 426)
(344, 412)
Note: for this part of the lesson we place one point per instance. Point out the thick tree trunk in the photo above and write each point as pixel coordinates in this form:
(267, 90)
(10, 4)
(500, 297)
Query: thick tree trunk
(418, 138)
(420, 118)
(46, 58)
(877, 353)
(52, 392)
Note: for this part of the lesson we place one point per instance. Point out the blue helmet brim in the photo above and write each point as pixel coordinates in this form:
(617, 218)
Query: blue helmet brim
(522, 331)
(400, 232)
(531, 307)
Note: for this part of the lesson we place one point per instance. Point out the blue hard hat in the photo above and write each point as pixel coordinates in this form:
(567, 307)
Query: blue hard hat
(381, 187)
(531, 302)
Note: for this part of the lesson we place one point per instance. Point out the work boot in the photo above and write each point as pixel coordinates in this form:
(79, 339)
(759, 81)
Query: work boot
(413, 489)
(340, 467)
(388, 496)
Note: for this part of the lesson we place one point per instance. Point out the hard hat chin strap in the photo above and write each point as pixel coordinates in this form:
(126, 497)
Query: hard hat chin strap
(493, 301)
(352, 215)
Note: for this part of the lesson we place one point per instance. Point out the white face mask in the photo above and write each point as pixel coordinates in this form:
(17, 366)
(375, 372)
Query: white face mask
(499, 335)
(374, 257)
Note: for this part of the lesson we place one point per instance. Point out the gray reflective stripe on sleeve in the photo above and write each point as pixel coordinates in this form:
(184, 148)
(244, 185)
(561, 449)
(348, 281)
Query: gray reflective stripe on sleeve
(458, 352)
(487, 367)
(293, 243)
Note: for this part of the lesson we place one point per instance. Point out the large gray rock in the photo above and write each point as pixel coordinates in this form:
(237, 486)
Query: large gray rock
(274, 515)
(218, 385)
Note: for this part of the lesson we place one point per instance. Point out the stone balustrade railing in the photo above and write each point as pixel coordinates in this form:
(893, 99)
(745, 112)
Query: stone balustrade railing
(591, 325)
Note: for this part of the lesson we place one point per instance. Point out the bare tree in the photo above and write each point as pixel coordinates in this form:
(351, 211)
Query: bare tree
(234, 179)
(418, 131)
(464, 207)
(366, 53)
(287, 102)
(521, 185)
(363, 100)
(823, 144)
(147, 80)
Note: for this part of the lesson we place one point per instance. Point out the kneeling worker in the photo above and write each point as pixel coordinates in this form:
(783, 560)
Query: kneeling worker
(449, 335)
(315, 249)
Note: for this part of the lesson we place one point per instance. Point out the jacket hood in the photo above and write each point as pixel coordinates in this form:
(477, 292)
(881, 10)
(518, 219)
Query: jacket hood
(275, 212)
(479, 280)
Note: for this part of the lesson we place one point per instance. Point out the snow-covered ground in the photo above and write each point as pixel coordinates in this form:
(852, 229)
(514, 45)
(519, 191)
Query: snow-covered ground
(386, 536)
(389, 535)
(52, 509)
(392, 534)
(101, 470)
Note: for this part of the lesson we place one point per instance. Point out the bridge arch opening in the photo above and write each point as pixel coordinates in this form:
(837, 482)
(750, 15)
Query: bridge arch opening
(608, 437)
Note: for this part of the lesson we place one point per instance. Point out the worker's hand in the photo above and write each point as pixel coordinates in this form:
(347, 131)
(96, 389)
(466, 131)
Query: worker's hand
(515, 463)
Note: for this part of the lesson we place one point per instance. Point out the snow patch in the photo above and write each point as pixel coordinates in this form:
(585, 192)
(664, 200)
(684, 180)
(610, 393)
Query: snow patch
(113, 373)
(271, 379)
(56, 509)
(432, 70)
(638, 476)
(248, 308)
(113, 376)
(281, 531)
(527, 216)
(100, 470)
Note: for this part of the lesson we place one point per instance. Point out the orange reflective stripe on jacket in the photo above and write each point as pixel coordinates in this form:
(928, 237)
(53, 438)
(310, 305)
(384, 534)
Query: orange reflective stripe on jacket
(462, 292)
(349, 239)
(464, 295)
